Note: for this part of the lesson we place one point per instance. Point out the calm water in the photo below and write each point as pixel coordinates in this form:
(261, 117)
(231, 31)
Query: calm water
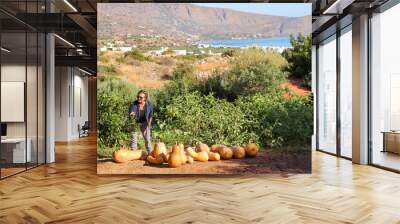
(264, 42)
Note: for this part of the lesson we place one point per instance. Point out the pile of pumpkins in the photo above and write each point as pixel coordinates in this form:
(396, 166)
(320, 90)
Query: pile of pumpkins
(179, 155)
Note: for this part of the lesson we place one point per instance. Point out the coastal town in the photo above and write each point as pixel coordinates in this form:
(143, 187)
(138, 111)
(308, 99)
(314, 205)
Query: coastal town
(121, 46)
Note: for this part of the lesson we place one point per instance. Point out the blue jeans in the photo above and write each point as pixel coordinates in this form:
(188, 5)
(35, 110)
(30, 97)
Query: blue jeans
(146, 133)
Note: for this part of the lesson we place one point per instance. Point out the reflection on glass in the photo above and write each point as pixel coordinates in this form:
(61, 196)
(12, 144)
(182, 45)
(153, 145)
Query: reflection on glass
(22, 90)
(41, 98)
(13, 84)
(385, 89)
(346, 92)
(31, 97)
(327, 96)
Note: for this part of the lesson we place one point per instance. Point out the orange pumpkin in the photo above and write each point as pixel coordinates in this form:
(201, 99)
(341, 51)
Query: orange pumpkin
(238, 152)
(124, 155)
(251, 150)
(183, 154)
(156, 161)
(190, 151)
(201, 147)
(158, 148)
(214, 156)
(216, 147)
(202, 156)
(225, 152)
(174, 159)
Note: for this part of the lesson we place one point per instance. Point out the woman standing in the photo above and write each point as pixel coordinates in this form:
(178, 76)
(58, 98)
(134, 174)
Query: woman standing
(142, 110)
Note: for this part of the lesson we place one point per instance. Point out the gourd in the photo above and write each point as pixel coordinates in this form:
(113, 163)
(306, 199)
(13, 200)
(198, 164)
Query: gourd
(191, 152)
(183, 154)
(124, 155)
(199, 156)
(166, 157)
(225, 153)
(202, 156)
(144, 156)
(190, 160)
(156, 161)
(214, 156)
(216, 147)
(158, 149)
(251, 150)
(238, 152)
(201, 147)
(174, 159)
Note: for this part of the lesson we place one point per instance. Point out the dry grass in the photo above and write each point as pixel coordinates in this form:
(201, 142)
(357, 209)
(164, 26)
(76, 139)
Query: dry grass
(206, 67)
(157, 72)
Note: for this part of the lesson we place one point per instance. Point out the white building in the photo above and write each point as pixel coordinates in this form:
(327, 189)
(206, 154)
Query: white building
(180, 52)
(124, 49)
(156, 52)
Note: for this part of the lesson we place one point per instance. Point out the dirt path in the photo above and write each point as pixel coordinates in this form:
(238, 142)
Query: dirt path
(265, 162)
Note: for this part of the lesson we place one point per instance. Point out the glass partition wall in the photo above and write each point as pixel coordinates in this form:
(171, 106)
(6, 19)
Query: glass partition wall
(345, 91)
(334, 90)
(385, 89)
(327, 95)
(22, 77)
(334, 93)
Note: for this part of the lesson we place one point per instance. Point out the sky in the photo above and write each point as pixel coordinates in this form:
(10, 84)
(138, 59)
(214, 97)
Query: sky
(276, 9)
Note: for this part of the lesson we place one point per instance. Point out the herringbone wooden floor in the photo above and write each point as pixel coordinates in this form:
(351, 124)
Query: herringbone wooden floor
(70, 191)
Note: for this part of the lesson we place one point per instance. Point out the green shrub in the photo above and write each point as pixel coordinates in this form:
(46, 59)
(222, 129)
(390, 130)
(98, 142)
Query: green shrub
(229, 53)
(135, 54)
(299, 58)
(183, 81)
(279, 120)
(192, 57)
(114, 97)
(107, 70)
(193, 118)
(251, 56)
(261, 77)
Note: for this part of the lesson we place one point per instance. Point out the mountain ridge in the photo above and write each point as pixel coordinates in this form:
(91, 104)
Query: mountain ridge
(186, 20)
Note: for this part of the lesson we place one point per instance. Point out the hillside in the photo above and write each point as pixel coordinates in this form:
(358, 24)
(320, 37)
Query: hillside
(188, 21)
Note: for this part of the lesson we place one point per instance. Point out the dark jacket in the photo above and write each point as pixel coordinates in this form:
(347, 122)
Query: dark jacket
(148, 110)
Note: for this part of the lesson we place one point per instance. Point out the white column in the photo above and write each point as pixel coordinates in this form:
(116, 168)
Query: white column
(314, 91)
(360, 90)
(50, 99)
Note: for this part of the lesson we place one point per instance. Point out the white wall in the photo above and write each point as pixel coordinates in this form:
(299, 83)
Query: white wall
(12, 73)
(62, 82)
(70, 83)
